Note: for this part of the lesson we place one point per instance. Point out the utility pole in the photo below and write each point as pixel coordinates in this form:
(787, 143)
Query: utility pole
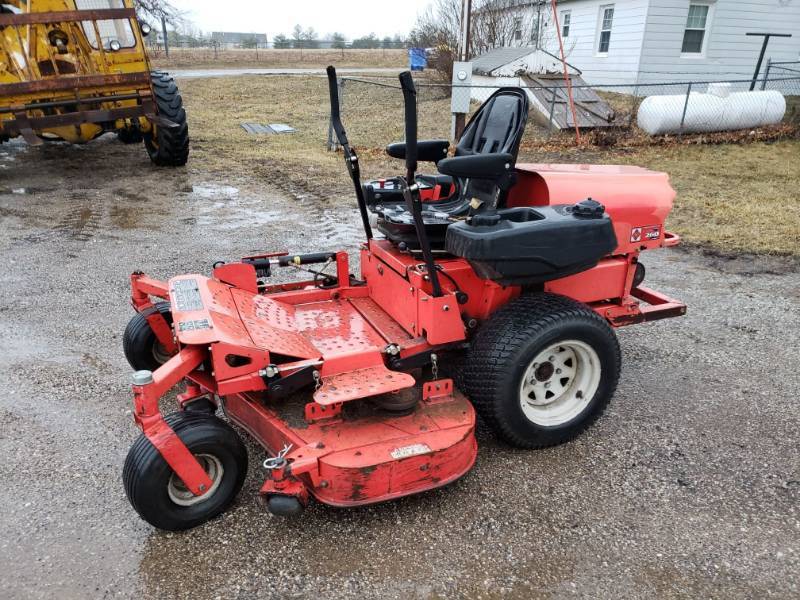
(164, 33)
(460, 118)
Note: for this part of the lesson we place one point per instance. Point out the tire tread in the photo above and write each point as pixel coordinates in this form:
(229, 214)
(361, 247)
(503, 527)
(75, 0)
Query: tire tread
(485, 368)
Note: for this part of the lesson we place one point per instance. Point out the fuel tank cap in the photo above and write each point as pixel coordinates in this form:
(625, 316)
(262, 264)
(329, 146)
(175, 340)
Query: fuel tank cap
(588, 209)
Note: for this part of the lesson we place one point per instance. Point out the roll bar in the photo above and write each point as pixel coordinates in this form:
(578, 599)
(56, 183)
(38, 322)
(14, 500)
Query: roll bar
(409, 185)
(410, 106)
(350, 156)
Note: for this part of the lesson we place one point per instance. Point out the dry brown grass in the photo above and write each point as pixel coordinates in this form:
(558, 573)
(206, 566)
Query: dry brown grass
(738, 197)
(184, 58)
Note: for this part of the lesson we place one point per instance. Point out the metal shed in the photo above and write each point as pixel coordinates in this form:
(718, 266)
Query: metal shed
(550, 93)
(541, 73)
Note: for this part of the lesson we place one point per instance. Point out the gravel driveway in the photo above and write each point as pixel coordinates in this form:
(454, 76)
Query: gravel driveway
(688, 487)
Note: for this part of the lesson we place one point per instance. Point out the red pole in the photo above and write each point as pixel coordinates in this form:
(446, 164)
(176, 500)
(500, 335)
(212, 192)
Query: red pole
(566, 73)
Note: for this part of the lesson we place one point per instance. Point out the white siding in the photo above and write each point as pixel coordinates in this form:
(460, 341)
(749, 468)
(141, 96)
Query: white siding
(729, 53)
(621, 63)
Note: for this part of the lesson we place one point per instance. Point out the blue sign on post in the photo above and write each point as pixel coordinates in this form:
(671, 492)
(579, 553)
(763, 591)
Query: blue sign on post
(417, 59)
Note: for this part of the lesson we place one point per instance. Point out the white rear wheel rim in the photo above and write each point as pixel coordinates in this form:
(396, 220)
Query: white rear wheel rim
(559, 383)
(182, 496)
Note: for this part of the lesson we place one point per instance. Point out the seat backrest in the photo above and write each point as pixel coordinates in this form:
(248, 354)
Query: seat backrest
(497, 127)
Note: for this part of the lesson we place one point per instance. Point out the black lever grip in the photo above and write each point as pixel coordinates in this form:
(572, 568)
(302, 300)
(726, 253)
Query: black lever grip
(336, 116)
(410, 103)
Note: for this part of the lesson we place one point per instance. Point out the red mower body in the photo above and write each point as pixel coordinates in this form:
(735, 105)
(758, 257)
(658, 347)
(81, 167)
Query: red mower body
(337, 377)
(226, 323)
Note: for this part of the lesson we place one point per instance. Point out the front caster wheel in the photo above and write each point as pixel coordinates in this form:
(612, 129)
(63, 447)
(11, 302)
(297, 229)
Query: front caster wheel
(542, 370)
(142, 349)
(159, 495)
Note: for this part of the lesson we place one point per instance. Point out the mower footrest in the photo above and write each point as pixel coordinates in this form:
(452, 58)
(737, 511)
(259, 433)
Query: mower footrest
(362, 383)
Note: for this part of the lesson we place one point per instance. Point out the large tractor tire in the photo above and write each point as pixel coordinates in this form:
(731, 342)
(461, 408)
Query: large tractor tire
(168, 146)
(542, 370)
(159, 495)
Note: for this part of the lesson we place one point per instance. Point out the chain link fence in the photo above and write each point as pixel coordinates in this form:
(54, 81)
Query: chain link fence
(373, 112)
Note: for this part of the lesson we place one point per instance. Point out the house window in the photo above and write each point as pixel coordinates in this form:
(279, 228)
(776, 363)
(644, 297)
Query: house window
(695, 34)
(606, 21)
(566, 17)
(518, 29)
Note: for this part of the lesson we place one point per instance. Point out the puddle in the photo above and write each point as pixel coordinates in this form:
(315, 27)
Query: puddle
(26, 191)
(225, 207)
(10, 149)
(213, 191)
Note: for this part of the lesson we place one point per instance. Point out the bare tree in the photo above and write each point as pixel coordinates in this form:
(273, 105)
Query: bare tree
(494, 23)
(498, 23)
(438, 26)
(158, 9)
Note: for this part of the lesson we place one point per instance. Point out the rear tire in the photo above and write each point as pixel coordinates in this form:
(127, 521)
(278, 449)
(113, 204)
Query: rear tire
(542, 370)
(168, 146)
(139, 342)
(160, 497)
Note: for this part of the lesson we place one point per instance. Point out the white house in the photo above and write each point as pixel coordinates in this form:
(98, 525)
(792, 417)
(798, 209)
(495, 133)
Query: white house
(641, 41)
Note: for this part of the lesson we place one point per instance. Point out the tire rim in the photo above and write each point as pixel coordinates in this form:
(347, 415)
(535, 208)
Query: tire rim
(183, 496)
(160, 353)
(559, 383)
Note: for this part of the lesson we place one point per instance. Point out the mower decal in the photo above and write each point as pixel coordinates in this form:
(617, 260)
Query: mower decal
(652, 233)
(649, 233)
(412, 450)
(186, 295)
(194, 325)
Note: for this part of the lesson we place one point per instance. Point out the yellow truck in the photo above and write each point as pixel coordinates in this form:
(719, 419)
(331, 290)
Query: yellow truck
(73, 70)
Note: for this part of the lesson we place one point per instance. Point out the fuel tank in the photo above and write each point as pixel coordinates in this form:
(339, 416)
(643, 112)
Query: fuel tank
(637, 200)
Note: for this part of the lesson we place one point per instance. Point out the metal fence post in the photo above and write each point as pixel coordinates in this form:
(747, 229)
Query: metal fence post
(686, 106)
(766, 74)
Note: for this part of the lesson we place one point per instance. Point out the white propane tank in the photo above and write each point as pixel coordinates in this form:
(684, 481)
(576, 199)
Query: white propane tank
(717, 110)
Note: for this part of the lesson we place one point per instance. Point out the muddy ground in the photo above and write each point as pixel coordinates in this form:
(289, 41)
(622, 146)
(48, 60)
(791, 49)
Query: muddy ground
(689, 486)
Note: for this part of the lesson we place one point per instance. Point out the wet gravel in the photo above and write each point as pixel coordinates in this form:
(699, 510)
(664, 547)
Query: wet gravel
(687, 487)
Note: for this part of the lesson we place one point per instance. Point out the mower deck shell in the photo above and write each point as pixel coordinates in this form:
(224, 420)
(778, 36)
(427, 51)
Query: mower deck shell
(347, 461)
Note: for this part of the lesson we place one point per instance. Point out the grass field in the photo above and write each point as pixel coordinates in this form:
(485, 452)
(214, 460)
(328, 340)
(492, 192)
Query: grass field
(738, 197)
(196, 58)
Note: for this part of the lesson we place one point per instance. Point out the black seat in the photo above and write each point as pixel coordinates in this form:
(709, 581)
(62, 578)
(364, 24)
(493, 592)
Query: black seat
(481, 172)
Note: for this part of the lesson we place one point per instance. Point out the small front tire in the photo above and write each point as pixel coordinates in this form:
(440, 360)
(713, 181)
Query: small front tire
(542, 370)
(140, 344)
(159, 496)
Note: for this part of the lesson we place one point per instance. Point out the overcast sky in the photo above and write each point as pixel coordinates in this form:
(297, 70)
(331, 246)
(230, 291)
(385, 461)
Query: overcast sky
(353, 18)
